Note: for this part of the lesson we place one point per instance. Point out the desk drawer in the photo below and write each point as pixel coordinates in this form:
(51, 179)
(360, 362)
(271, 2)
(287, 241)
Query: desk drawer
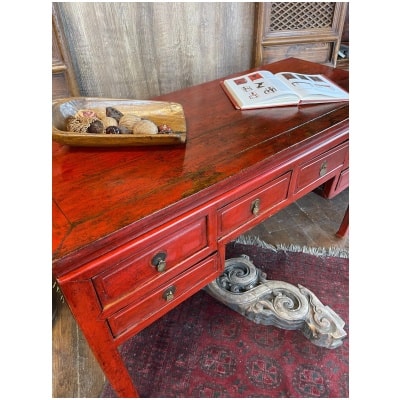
(154, 261)
(319, 169)
(141, 313)
(254, 205)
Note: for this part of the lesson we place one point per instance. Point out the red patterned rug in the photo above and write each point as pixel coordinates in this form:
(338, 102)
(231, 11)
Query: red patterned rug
(204, 349)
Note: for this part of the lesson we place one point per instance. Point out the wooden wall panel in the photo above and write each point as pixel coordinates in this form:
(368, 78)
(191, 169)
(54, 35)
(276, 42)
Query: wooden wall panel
(141, 50)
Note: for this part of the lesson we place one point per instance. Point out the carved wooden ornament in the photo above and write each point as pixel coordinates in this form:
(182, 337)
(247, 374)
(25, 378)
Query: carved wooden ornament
(245, 289)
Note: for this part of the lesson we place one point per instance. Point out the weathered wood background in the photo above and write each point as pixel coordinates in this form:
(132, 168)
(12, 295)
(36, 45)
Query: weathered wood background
(141, 50)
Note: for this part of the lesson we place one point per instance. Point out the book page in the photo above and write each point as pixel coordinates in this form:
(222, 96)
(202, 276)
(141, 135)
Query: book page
(313, 87)
(259, 88)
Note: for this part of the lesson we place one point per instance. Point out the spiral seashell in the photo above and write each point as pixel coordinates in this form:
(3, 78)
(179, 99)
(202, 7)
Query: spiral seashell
(109, 121)
(128, 120)
(145, 127)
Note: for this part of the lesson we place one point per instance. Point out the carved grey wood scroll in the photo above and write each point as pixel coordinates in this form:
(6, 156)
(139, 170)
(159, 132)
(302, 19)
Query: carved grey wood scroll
(245, 289)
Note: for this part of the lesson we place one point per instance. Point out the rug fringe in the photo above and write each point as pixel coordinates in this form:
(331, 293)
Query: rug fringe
(316, 251)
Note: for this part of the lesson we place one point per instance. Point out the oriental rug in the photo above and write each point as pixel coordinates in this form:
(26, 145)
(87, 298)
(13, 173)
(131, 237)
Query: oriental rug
(202, 348)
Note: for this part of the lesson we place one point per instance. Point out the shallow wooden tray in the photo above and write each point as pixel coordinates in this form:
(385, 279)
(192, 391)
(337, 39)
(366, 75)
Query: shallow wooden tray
(159, 112)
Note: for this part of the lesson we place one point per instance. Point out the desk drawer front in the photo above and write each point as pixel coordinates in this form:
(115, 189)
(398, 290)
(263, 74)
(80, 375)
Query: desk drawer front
(253, 206)
(160, 261)
(316, 171)
(136, 316)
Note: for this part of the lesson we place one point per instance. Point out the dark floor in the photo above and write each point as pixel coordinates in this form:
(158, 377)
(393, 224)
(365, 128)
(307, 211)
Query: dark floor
(311, 221)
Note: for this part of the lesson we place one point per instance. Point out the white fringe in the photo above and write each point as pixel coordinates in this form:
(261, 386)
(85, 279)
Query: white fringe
(315, 251)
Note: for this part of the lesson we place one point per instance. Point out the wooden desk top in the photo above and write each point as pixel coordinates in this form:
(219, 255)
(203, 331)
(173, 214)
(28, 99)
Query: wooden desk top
(103, 196)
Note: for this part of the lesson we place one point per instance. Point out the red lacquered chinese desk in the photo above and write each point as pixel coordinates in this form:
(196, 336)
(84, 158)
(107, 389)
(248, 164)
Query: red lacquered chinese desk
(138, 230)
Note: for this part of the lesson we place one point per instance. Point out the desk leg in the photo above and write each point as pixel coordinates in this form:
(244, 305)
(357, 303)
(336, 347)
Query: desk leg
(344, 226)
(82, 300)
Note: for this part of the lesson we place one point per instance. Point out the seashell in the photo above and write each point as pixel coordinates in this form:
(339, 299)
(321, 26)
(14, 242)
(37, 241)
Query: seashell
(86, 114)
(164, 129)
(124, 129)
(74, 124)
(113, 130)
(129, 120)
(114, 113)
(109, 121)
(145, 127)
(96, 127)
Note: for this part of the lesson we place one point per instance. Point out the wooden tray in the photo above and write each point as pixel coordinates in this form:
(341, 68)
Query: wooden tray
(159, 112)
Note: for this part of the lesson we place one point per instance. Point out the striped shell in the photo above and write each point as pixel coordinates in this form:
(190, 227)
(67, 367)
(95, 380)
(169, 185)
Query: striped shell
(128, 120)
(109, 121)
(145, 127)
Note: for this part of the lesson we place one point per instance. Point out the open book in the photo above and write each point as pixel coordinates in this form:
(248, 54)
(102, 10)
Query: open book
(262, 89)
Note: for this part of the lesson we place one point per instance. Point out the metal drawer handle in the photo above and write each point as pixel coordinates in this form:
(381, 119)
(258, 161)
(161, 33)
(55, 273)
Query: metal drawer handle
(168, 295)
(323, 169)
(159, 261)
(255, 207)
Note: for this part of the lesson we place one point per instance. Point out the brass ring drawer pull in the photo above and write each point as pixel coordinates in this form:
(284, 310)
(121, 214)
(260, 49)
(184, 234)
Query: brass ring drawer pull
(159, 261)
(323, 169)
(168, 295)
(255, 207)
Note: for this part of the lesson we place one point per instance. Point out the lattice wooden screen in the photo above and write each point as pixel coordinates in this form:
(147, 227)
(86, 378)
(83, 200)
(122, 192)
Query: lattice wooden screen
(295, 16)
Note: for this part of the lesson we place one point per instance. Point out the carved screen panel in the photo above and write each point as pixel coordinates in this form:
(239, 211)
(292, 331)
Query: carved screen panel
(296, 16)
